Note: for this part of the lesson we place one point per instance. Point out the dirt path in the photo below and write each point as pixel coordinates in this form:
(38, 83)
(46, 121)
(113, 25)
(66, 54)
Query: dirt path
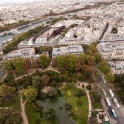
(24, 116)
(33, 71)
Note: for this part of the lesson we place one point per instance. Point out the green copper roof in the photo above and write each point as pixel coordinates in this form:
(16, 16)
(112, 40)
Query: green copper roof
(105, 122)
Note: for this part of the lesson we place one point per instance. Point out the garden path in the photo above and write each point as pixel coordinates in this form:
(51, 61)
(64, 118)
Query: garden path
(24, 116)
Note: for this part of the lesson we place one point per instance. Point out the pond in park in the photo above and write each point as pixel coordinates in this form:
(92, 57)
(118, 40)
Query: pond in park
(56, 103)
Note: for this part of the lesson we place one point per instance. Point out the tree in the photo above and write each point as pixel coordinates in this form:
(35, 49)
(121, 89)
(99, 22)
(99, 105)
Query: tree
(36, 82)
(83, 58)
(109, 77)
(98, 57)
(54, 62)
(103, 66)
(80, 77)
(91, 60)
(52, 91)
(89, 52)
(6, 92)
(72, 60)
(18, 63)
(90, 69)
(93, 48)
(44, 61)
(35, 64)
(27, 64)
(10, 116)
(45, 79)
(61, 61)
(78, 67)
(50, 114)
(30, 94)
(80, 93)
(8, 65)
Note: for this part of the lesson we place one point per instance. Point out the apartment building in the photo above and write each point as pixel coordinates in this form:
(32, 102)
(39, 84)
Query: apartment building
(71, 49)
(23, 53)
(111, 51)
(117, 67)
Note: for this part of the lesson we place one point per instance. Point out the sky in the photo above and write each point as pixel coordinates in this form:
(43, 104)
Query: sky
(17, 1)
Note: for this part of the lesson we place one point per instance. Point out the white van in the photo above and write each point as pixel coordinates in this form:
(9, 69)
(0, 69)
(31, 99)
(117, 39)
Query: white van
(107, 101)
(111, 93)
(116, 103)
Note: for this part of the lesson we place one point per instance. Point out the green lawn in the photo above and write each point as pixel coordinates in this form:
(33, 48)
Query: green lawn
(98, 106)
(82, 110)
(14, 102)
(33, 116)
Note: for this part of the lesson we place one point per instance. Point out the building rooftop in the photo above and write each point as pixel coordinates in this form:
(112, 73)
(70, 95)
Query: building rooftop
(72, 49)
(19, 53)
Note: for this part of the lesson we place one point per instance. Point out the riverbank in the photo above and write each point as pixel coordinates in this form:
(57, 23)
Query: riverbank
(7, 37)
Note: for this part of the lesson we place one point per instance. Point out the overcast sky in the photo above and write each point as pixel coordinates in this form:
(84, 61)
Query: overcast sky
(18, 1)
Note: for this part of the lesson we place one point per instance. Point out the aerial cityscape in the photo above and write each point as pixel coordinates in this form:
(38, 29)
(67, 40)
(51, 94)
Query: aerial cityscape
(61, 62)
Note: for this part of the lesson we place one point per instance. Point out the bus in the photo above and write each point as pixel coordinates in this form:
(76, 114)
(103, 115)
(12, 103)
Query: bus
(107, 101)
(111, 93)
(116, 102)
(113, 113)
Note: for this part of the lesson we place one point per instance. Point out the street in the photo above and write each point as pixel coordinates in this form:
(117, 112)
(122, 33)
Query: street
(119, 111)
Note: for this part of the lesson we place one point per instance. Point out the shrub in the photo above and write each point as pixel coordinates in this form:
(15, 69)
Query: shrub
(89, 87)
(79, 103)
(80, 93)
(71, 113)
(76, 109)
(68, 106)
(69, 93)
(37, 121)
(93, 114)
(83, 86)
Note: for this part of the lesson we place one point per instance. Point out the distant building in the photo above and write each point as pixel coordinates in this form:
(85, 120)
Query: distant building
(23, 53)
(113, 37)
(111, 51)
(46, 39)
(72, 49)
(81, 34)
(117, 67)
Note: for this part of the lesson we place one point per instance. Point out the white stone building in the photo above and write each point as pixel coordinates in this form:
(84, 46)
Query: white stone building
(117, 67)
(23, 53)
(71, 49)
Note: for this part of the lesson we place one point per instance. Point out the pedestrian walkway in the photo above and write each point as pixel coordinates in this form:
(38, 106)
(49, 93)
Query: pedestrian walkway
(39, 69)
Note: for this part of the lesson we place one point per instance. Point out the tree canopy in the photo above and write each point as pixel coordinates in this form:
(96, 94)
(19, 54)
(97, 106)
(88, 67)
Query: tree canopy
(6, 92)
(110, 77)
(8, 65)
(10, 116)
(30, 94)
(103, 66)
(44, 61)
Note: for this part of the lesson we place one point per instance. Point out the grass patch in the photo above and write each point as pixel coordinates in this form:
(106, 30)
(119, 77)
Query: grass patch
(13, 102)
(95, 100)
(121, 95)
(98, 106)
(82, 112)
(34, 116)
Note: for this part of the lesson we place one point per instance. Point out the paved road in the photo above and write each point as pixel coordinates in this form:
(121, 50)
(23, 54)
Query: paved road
(119, 111)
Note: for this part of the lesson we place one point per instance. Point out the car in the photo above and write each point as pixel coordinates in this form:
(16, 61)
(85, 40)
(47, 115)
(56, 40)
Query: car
(116, 103)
